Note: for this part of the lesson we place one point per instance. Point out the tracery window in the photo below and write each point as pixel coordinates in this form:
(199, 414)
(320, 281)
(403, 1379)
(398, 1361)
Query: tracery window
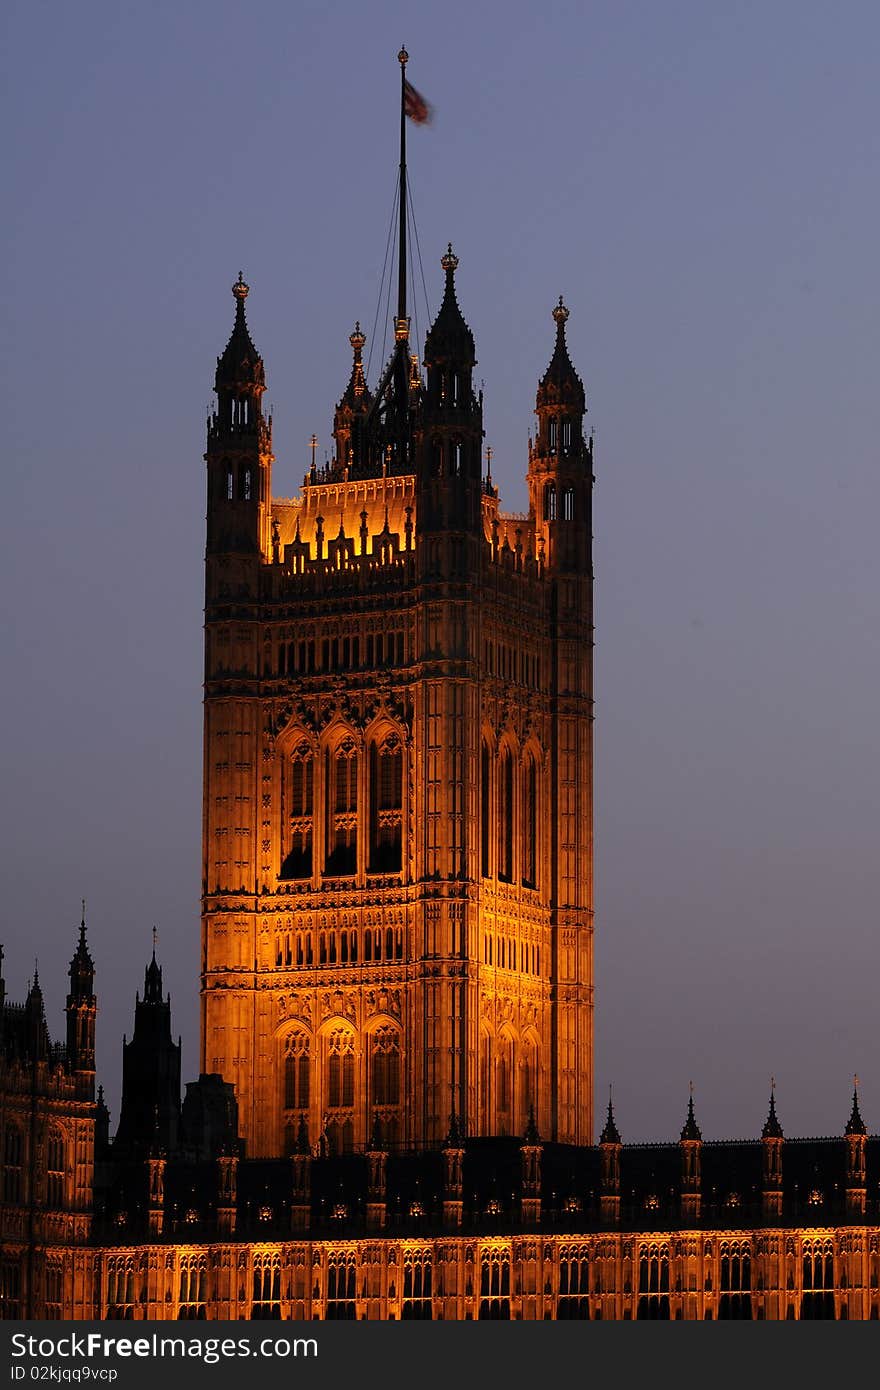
(505, 816)
(266, 1301)
(385, 1083)
(417, 1303)
(485, 809)
(574, 1286)
(300, 791)
(342, 776)
(653, 1304)
(735, 1285)
(386, 806)
(494, 1286)
(120, 1289)
(192, 1288)
(56, 1170)
(550, 502)
(339, 1092)
(485, 1082)
(13, 1154)
(505, 1085)
(530, 824)
(341, 1286)
(54, 1291)
(551, 435)
(817, 1302)
(528, 1082)
(568, 504)
(297, 1067)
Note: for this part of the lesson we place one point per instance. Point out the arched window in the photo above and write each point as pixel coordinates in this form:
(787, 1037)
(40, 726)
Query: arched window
(485, 809)
(551, 433)
(528, 1082)
(495, 1286)
(296, 1072)
(339, 1090)
(653, 1304)
(550, 502)
(505, 1086)
(485, 1082)
(530, 824)
(456, 456)
(266, 1304)
(386, 806)
(246, 483)
(342, 775)
(505, 816)
(566, 433)
(568, 504)
(56, 1169)
(13, 1158)
(299, 796)
(230, 483)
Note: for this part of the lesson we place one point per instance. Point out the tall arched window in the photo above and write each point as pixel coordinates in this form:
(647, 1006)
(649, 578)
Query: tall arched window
(530, 824)
(299, 797)
(568, 504)
(385, 1084)
(342, 775)
(551, 434)
(296, 1073)
(56, 1169)
(550, 502)
(13, 1158)
(230, 483)
(386, 806)
(505, 816)
(505, 1085)
(485, 809)
(339, 1092)
(528, 1082)
(485, 1082)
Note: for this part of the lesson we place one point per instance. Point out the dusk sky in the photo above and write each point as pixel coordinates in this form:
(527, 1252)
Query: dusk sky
(700, 181)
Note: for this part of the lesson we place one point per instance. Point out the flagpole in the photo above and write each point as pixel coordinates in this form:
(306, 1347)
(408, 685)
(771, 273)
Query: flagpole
(401, 263)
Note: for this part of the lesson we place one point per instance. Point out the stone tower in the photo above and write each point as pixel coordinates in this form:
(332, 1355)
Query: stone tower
(397, 909)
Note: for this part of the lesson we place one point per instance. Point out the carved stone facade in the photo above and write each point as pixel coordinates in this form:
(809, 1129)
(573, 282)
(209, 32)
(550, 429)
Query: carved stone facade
(775, 1274)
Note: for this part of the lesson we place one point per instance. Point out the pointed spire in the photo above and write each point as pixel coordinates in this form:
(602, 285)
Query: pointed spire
(449, 338)
(153, 977)
(240, 364)
(772, 1128)
(357, 395)
(610, 1134)
(531, 1135)
(560, 384)
(855, 1124)
(691, 1129)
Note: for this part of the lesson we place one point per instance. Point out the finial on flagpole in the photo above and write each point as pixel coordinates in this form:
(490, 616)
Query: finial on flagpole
(403, 57)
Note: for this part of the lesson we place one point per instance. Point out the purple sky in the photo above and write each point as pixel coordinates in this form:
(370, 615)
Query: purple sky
(700, 182)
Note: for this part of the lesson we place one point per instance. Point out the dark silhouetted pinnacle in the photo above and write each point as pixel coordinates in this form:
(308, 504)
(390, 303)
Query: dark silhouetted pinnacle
(449, 338)
(240, 364)
(560, 384)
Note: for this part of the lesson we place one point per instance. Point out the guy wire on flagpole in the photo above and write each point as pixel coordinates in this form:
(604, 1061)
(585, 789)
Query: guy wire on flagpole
(401, 243)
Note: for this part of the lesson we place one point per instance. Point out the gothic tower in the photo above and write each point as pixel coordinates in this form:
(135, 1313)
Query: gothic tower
(397, 910)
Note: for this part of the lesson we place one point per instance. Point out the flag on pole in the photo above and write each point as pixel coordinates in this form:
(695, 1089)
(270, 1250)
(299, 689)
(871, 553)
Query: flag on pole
(414, 105)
